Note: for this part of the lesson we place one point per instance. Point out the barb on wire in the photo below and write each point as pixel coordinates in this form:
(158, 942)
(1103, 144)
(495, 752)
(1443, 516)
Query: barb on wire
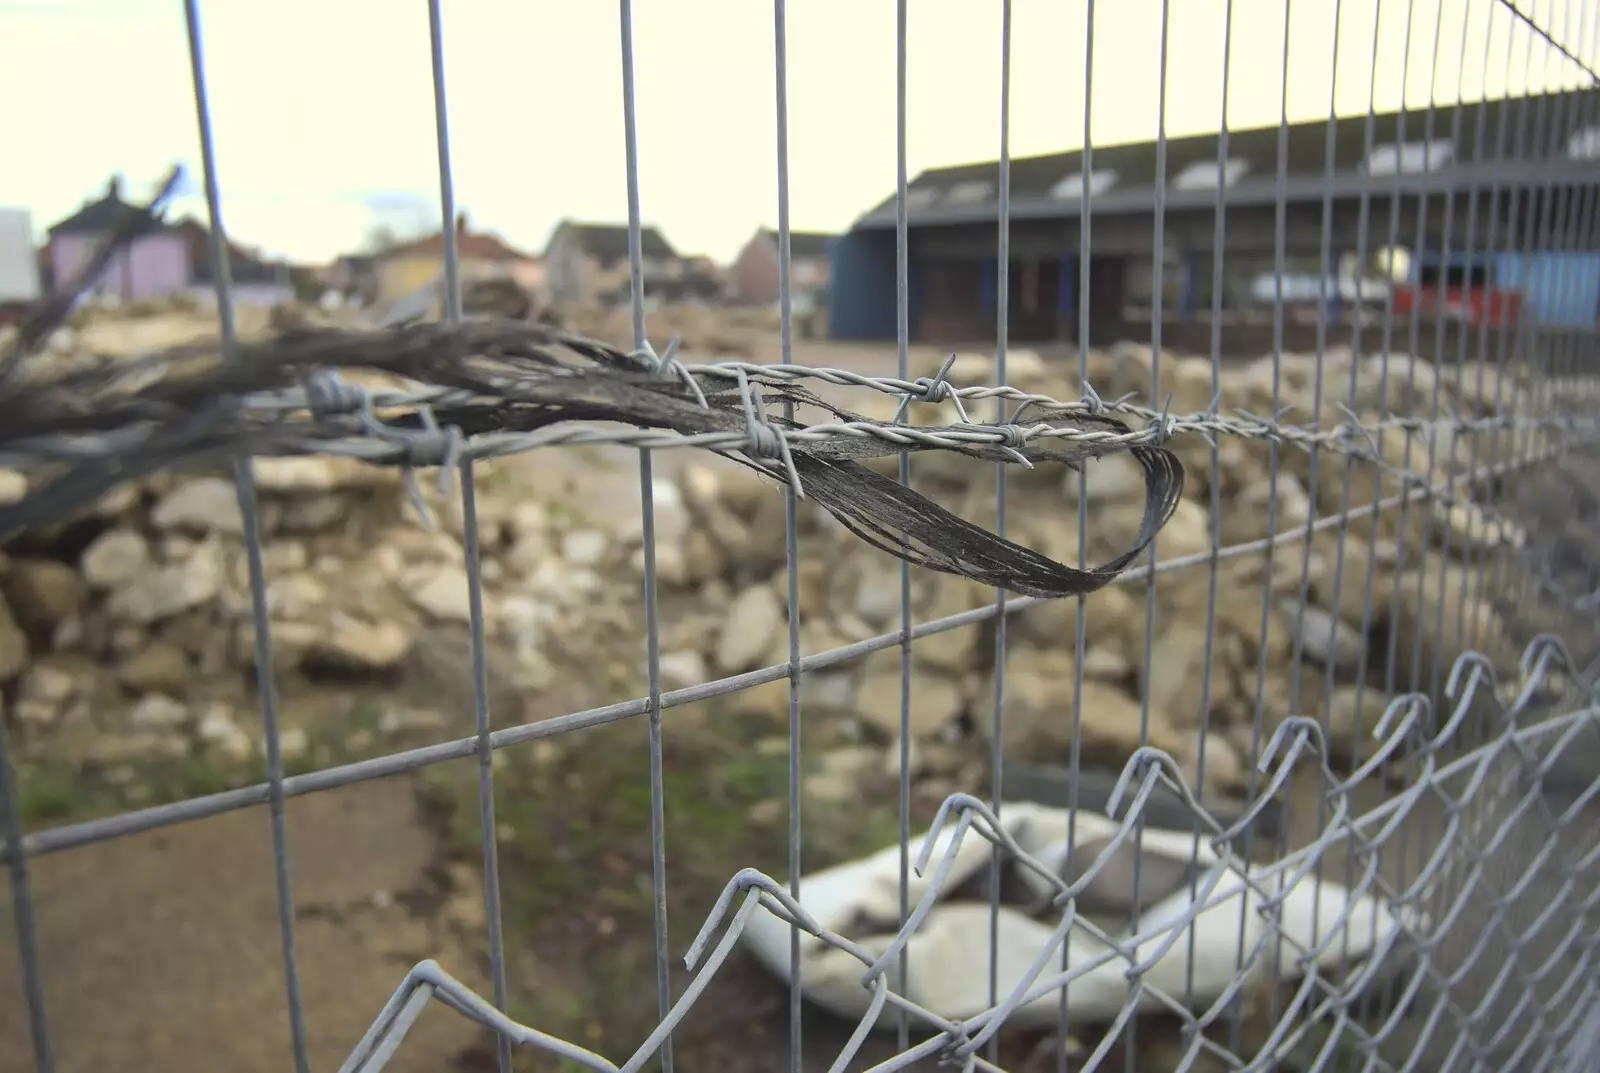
(493, 388)
(501, 386)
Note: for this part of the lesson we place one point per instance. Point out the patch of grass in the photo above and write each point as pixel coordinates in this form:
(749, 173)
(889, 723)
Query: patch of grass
(48, 792)
(576, 857)
(52, 791)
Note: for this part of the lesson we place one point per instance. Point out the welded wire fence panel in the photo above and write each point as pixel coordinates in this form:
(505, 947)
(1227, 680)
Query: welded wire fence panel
(1320, 794)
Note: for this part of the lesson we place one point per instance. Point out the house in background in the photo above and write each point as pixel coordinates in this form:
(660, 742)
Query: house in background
(408, 268)
(588, 263)
(19, 262)
(754, 276)
(354, 276)
(254, 280)
(694, 279)
(169, 259)
(154, 264)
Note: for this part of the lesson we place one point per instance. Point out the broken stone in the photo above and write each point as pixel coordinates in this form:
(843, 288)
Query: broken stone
(202, 505)
(116, 557)
(165, 591)
(752, 622)
(162, 667)
(441, 592)
(43, 593)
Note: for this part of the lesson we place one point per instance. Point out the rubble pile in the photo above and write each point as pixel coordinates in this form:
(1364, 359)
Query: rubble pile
(127, 633)
(1377, 609)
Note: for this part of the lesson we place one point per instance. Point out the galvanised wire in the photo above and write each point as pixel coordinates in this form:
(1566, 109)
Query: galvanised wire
(1409, 723)
(470, 550)
(301, 424)
(244, 482)
(68, 836)
(658, 849)
(1545, 396)
(902, 322)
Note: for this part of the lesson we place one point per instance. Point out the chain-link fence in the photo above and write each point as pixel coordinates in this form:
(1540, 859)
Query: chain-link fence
(1364, 565)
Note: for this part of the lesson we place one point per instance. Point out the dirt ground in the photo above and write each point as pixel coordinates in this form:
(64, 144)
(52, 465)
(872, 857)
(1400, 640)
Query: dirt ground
(161, 951)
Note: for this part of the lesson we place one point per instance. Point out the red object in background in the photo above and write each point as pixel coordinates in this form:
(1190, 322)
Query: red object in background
(1490, 305)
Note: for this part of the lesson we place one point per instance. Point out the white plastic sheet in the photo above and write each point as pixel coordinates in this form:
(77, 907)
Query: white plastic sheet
(947, 968)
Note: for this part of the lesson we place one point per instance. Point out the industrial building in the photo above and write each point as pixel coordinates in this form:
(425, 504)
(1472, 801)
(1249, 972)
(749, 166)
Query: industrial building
(1495, 202)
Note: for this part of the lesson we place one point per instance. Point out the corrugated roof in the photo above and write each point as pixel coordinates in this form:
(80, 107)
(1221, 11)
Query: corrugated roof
(806, 245)
(1533, 138)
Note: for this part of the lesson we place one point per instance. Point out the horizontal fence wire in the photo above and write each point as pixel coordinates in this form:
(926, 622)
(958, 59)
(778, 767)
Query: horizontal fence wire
(1442, 910)
(1556, 983)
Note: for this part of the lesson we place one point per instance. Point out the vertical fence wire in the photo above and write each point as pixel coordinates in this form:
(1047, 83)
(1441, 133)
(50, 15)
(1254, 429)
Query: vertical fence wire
(244, 483)
(1362, 230)
(1450, 819)
(1329, 275)
(1157, 303)
(791, 538)
(1501, 981)
(1385, 390)
(1512, 342)
(1002, 337)
(902, 347)
(23, 921)
(1527, 347)
(471, 549)
(1219, 236)
(1529, 917)
(1410, 759)
(1280, 233)
(1085, 264)
(647, 516)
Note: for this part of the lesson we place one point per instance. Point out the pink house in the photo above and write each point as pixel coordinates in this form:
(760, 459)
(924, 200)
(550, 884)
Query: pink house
(154, 264)
(169, 259)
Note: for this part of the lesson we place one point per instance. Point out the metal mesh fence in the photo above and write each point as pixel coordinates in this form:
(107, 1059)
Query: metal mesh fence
(1419, 894)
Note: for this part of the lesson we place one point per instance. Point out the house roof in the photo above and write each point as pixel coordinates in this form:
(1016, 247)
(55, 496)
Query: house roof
(244, 266)
(470, 246)
(1524, 140)
(806, 245)
(609, 242)
(99, 217)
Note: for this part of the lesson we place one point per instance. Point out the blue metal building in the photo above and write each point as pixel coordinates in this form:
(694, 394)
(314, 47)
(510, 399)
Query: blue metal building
(1433, 170)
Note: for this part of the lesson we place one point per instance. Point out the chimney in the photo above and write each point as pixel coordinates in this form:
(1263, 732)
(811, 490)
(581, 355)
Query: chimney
(461, 223)
(114, 188)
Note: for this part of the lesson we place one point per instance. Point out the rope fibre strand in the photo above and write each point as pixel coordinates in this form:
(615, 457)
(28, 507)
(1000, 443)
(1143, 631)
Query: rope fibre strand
(119, 421)
(500, 388)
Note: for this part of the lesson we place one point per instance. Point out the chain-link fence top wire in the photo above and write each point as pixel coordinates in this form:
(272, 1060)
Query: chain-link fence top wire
(1491, 935)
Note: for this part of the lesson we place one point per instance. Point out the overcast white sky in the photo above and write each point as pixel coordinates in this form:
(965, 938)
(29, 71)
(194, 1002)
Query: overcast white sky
(324, 108)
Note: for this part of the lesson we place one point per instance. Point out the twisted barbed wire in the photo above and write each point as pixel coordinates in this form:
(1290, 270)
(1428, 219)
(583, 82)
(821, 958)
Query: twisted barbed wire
(502, 388)
(1423, 915)
(413, 440)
